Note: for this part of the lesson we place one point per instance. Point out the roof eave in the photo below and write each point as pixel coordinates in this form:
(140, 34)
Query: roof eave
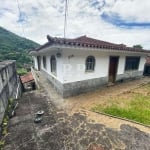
(62, 46)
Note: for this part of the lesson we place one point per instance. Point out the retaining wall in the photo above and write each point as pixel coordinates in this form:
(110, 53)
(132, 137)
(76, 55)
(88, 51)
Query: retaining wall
(10, 86)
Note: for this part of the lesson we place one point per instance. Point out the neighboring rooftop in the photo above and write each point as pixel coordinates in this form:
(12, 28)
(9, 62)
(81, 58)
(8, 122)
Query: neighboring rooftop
(27, 78)
(84, 41)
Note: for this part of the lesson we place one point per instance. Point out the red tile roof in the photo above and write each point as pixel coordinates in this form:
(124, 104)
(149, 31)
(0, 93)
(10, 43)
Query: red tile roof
(85, 41)
(27, 78)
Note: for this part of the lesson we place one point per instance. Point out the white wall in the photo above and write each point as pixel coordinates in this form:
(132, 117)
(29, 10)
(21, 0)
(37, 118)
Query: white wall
(121, 64)
(72, 71)
(71, 65)
(122, 60)
(74, 68)
(35, 62)
(142, 63)
(58, 75)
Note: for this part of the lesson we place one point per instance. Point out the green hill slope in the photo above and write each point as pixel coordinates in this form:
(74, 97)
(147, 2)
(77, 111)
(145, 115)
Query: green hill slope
(15, 47)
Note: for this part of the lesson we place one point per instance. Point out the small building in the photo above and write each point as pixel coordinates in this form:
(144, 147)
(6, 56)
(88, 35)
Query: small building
(83, 64)
(28, 82)
(147, 67)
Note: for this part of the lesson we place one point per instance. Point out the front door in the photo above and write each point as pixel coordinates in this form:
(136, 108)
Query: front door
(113, 67)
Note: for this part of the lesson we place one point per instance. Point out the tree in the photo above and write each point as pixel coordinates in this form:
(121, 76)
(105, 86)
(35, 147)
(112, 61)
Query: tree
(138, 46)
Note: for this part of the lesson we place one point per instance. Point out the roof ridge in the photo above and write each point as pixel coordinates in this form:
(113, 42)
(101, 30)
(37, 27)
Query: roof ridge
(84, 41)
(80, 37)
(98, 40)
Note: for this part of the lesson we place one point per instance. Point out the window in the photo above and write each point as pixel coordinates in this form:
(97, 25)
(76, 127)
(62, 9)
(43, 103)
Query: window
(53, 64)
(90, 63)
(132, 63)
(44, 62)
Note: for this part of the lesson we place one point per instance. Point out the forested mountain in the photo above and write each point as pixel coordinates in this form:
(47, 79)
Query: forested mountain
(15, 47)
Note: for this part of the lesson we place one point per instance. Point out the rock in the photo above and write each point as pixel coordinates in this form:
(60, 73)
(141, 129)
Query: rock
(95, 146)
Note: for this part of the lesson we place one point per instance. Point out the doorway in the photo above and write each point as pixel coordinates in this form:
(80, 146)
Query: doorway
(113, 68)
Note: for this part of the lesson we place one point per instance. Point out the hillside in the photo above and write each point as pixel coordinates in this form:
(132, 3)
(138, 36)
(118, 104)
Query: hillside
(15, 47)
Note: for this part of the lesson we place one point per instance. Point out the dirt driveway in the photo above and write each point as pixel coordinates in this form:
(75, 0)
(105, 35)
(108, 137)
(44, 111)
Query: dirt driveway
(69, 125)
(84, 102)
(60, 131)
(102, 96)
(88, 100)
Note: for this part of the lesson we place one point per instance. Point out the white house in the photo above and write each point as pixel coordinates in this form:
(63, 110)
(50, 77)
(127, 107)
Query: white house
(82, 64)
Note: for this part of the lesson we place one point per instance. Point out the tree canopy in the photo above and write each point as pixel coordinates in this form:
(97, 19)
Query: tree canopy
(15, 47)
(138, 46)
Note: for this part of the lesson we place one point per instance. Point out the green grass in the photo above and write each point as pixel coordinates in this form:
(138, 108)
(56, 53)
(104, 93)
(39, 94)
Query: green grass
(138, 109)
(21, 71)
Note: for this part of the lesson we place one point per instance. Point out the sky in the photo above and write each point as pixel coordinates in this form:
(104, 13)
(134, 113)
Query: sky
(118, 21)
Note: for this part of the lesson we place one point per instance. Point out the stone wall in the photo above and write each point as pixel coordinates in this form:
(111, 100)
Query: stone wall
(56, 84)
(9, 85)
(129, 75)
(75, 88)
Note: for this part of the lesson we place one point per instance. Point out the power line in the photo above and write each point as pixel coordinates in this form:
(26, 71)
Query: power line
(19, 8)
(65, 20)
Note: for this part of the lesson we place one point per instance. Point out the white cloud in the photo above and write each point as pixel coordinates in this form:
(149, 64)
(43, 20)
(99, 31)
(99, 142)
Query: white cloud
(130, 9)
(47, 17)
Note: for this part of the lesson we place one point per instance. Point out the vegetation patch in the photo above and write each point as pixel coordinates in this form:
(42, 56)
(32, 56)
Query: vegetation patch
(14, 47)
(22, 71)
(134, 105)
(4, 125)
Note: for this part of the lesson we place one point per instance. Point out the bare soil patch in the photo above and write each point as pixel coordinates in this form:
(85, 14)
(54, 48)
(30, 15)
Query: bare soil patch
(120, 94)
(107, 94)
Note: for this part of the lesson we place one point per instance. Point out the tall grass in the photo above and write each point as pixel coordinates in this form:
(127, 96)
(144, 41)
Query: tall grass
(138, 109)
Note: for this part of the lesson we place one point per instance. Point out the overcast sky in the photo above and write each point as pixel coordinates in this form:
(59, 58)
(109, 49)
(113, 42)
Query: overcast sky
(118, 21)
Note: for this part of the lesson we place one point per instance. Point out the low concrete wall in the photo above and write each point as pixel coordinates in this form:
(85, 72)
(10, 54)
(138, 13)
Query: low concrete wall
(56, 84)
(75, 88)
(10, 86)
(129, 75)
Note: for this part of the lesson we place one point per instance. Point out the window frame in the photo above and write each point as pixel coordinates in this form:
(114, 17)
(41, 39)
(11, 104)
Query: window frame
(44, 62)
(53, 64)
(90, 65)
(133, 66)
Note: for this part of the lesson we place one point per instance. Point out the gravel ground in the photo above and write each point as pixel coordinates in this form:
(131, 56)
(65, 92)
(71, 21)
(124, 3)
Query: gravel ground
(60, 131)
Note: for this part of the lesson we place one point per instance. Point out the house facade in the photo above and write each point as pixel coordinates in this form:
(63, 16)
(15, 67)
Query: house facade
(74, 66)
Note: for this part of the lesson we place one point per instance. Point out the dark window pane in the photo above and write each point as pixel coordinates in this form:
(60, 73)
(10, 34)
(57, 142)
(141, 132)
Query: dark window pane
(132, 63)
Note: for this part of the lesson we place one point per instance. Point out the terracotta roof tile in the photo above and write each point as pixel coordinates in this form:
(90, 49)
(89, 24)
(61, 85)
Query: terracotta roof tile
(84, 41)
(27, 78)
